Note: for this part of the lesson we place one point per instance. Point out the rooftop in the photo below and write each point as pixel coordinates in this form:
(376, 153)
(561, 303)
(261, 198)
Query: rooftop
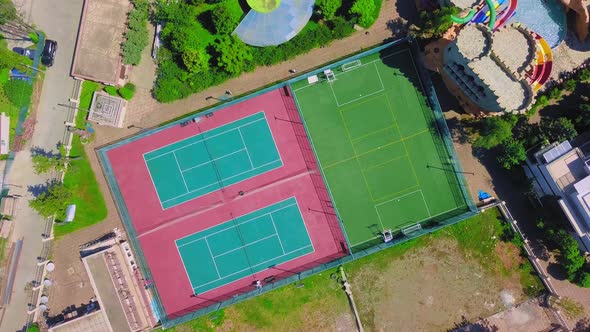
(107, 110)
(97, 54)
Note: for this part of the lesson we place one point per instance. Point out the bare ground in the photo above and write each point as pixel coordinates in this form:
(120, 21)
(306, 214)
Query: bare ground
(431, 288)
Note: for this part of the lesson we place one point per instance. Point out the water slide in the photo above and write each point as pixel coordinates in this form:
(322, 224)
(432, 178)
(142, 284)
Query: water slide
(488, 10)
(507, 14)
(464, 19)
(544, 63)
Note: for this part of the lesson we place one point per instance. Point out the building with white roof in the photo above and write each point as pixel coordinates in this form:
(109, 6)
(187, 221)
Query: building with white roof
(563, 171)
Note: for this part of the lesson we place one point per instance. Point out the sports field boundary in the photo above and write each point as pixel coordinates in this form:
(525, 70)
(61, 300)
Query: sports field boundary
(327, 263)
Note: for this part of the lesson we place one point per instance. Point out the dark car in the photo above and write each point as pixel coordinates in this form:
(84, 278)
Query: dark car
(25, 51)
(48, 55)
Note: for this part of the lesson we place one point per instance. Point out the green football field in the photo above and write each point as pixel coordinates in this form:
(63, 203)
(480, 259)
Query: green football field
(378, 145)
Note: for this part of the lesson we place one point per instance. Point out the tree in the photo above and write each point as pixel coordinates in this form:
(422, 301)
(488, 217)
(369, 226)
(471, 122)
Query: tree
(495, 130)
(43, 164)
(52, 202)
(196, 61)
(233, 54)
(364, 11)
(558, 130)
(570, 256)
(136, 37)
(224, 20)
(434, 23)
(329, 7)
(512, 153)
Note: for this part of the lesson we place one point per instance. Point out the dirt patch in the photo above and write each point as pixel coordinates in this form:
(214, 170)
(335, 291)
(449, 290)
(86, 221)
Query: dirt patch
(430, 288)
(508, 254)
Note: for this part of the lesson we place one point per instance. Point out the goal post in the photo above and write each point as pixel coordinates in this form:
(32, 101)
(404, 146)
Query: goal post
(411, 229)
(351, 65)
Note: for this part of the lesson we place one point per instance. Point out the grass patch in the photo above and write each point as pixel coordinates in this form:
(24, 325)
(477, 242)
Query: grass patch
(88, 89)
(316, 306)
(81, 180)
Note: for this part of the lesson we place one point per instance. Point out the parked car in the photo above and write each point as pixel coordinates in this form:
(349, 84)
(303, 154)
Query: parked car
(49, 50)
(25, 51)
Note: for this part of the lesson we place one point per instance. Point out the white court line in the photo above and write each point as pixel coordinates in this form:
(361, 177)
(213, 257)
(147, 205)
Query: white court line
(425, 204)
(277, 232)
(200, 140)
(236, 224)
(244, 246)
(184, 267)
(212, 160)
(364, 64)
(361, 97)
(180, 171)
(212, 257)
(255, 265)
(224, 180)
(154, 185)
(393, 199)
(246, 148)
(379, 75)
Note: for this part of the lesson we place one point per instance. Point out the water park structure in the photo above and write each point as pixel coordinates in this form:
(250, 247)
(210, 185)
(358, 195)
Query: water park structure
(492, 63)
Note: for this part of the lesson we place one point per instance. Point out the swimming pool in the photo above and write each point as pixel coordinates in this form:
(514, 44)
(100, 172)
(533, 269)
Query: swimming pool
(545, 17)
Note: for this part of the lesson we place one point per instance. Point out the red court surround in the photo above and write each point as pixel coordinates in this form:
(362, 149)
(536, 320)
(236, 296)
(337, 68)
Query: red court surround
(157, 229)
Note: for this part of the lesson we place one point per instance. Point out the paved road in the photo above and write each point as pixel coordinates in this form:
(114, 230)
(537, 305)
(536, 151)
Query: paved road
(59, 19)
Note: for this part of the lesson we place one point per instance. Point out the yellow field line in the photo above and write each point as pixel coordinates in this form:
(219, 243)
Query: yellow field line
(396, 193)
(405, 148)
(366, 100)
(385, 162)
(373, 150)
(372, 133)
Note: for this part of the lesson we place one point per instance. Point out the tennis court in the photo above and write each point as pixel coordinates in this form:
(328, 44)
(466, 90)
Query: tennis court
(378, 145)
(212, 160)
(244, 245)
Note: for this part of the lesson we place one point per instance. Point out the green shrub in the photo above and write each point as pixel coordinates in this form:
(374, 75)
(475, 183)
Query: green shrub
(111, 90)
(127, 91)
(363, 11)
(543, 101)
(224, 20)
(340, 27)
(585, 75)
(18, 92)
(583, 279)
(234, 54)
(329, 7)
(570, 85)
(555, 94)
(34, 37)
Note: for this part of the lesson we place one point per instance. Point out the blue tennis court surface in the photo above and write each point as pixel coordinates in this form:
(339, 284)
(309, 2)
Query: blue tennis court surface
(212, 160)
(244, 245)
